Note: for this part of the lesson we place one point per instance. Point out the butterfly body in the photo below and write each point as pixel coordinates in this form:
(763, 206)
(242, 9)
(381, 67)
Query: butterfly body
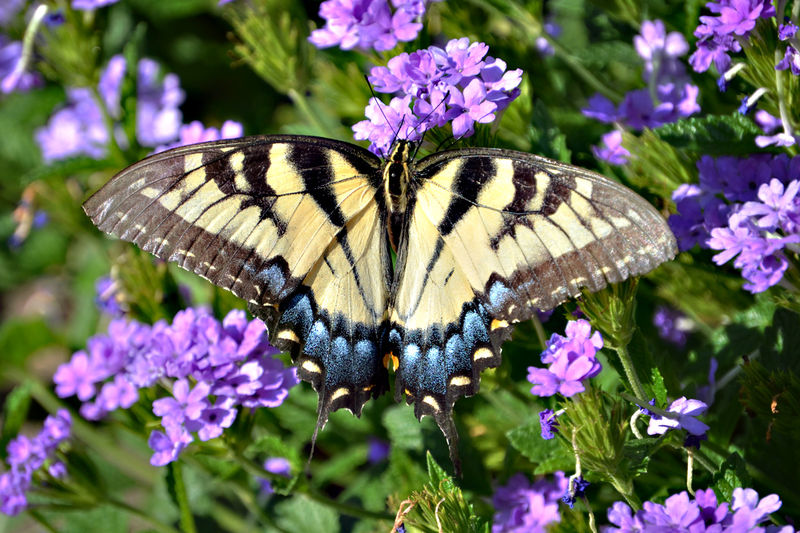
(303, 229)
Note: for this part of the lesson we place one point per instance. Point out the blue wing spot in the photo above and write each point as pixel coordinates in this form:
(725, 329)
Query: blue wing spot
(318, 341)
(339, 362)
(410, 362)
(299, 314)
(274, 278)
(500, 296)
(474, 330)
(456, 355)
(433, 377)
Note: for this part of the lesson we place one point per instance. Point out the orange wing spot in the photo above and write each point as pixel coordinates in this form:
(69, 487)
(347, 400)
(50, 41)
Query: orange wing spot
(408, 393)
(391, 358)
(368, 388)
(497, 324)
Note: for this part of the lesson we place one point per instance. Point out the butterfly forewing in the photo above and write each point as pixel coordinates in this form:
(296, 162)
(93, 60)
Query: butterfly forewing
(290, 224)
(493, 236)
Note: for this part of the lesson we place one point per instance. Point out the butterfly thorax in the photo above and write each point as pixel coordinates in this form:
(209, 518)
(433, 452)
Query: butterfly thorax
(397, 174)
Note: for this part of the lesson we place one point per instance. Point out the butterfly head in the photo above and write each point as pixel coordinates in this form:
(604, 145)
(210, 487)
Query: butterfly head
(397, 172)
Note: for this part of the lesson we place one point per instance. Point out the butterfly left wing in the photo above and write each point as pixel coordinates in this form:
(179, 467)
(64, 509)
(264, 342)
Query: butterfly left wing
(293, 225)
(492, 236)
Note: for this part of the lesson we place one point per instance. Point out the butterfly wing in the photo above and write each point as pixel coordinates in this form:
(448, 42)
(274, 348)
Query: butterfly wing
(491, 237)
(291, 224)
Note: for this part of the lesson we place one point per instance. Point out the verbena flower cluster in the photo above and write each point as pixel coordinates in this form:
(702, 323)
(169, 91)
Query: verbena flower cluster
(701, 514)
(210, 368)
(748, 209)
(81, 127)
(724, 33)
(525, 507)
(458, 84)
(30, 459)
(369, 24)
(669, 95)
(572, 360)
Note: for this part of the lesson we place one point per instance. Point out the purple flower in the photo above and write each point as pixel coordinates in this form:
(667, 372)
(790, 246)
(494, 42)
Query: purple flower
(91, 4)
(779, 207)
(195, 132)
(670, 325)
(77, 129)
(377, 450)
(158, 118)
(657, 48)
(576, 490)
(275, 465)
(367, 24)
(791, 61)
(26, 456)
(739, 17)
(549, 423)
(601, 108)
(787, 31)
(110, 85)
(521, 506)
(572, 360)
(687, 410)
(612, 150)
(459, 83)
(704, 513)
(214, 368)
(9, 10)
(13, 75)
(107, 297)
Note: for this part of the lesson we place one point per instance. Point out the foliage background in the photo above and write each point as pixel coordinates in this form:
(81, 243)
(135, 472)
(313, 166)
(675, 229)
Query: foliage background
(251, 63)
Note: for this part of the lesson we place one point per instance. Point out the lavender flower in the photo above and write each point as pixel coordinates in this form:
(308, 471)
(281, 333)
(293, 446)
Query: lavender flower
(669, 96)
(577, 489)
(703, 513)
(377, 450)
(80, 127)
(458, 84)
(13, 76)
(612, 150)
(91, 4)
(107, 297)
(27, 456)
(572, 359)
(787, 31)
(275, 465)
(687, 411)
(368, 24)
(521, 506)
(9, 10)
(671, 325)
(790, 61)
(195, 132)
(212, 368)
(549, 423)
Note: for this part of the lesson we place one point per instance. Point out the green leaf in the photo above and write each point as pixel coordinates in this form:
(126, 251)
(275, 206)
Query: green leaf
(436, 473)
(527, 439)
(15, 411)
(404, 430)
(105, 519)
(637, 452)
(732, 474)
(300, 513)
(711, 135)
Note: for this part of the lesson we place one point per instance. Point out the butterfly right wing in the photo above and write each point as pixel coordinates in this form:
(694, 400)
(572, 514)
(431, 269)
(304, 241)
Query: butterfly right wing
(293, 225)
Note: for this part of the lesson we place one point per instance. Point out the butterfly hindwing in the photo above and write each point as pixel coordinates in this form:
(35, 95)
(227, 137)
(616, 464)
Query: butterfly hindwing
(293, 225)
(492, 236)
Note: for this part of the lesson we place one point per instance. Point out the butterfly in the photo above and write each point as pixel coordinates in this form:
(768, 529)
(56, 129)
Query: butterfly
(360, 265)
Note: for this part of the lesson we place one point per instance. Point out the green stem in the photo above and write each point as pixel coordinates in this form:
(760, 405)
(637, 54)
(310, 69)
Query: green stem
(182, 499)
(626, 490)
(630, 371)
(302, 104)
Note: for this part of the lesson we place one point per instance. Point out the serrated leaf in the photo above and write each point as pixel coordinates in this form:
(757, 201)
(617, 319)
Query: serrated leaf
(638, 451)
(436, 473)
(732, 474)
(301, 513)
(714, 134)
(405, 432)
(527, 439)
(15, 411)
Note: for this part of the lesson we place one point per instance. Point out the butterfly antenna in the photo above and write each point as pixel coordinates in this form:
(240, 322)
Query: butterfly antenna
(380, 108)
(424, 119)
